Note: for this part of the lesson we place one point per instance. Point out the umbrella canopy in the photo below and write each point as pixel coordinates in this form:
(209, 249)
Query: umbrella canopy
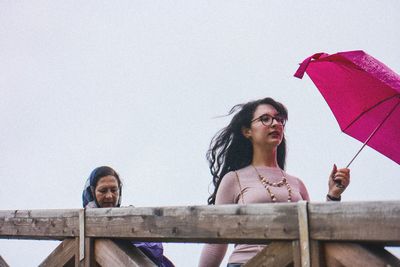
(363, 94)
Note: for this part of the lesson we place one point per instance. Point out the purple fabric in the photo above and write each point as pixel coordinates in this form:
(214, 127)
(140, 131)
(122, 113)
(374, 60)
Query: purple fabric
(155, 252)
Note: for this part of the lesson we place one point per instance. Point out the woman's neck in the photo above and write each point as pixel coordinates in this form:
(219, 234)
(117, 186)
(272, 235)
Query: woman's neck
(265, 157)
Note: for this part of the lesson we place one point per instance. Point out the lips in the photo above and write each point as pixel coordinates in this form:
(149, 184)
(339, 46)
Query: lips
(275, 134)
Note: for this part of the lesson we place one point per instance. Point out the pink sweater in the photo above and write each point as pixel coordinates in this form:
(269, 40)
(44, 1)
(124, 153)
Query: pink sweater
(253, 192)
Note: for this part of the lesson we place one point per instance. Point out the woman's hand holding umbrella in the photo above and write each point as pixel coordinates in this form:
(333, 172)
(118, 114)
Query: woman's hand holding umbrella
(339, 179)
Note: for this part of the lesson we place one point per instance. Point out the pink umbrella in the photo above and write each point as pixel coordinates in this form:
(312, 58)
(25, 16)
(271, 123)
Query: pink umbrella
(364, 96)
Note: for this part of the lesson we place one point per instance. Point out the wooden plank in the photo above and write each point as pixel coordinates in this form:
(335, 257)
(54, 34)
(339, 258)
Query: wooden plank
(278, 253)
(3, 263)
(89, 259)
(355, 255)
(110, 253)
(62, 255)
(356, 221)
(317, 255)
(82, 235)
(296, 253)
(255, 223)
(304, 234)
(39, 224)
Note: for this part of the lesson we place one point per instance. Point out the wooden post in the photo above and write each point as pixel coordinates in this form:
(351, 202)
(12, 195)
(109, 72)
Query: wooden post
(88, 259)
(81, 234)
(304, 234)
(3, 263)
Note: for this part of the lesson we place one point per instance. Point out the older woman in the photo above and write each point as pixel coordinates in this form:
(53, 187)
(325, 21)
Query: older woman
(103, 189)
(247, 161)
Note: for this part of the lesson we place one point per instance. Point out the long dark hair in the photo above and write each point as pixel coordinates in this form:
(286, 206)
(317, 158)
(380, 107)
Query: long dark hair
(230, 150)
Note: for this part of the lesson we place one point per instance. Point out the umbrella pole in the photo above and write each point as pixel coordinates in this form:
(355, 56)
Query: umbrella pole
(372, 134)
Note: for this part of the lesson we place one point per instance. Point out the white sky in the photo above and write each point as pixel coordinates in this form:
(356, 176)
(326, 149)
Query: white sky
(136, 85)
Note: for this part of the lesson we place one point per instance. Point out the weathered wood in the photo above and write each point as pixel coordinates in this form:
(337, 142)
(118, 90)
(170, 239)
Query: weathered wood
(316, 254)
(356, 221)
(296, 253)
(39, 224)
(304, 234)
(122, 253)
(82, 235)
(255, 223)
(89, 258)
(62, 255)
(3, 263)
(355, 255)
(275, 254)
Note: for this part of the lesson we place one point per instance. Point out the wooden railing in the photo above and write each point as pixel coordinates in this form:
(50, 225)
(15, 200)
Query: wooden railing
(298, 234)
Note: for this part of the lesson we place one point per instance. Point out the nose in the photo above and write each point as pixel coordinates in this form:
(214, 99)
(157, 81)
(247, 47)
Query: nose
(275, 122)
(108, 194)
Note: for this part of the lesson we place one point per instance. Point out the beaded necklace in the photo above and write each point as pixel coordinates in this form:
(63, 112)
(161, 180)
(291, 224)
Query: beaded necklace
(267, 184)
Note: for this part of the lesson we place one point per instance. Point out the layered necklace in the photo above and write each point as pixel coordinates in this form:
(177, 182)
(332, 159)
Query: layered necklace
(267, 184)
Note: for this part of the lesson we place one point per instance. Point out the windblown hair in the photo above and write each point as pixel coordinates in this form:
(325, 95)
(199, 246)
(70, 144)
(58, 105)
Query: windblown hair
(230, 150)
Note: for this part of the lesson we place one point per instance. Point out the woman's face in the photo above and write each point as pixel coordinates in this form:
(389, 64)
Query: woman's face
(267, 128)
(107, 192)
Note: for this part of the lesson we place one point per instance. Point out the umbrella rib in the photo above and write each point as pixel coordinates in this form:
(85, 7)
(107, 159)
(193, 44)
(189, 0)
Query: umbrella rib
(362, 113)
(372, 134)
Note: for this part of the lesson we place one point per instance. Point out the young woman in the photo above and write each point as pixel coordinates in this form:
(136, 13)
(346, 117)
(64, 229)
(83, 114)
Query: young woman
(247, 161)
(103, 189)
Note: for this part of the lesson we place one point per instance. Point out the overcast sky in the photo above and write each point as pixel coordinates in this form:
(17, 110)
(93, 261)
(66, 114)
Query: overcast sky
(137, 85)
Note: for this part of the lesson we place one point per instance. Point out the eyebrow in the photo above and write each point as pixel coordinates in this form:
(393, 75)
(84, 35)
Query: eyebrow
(107, 187)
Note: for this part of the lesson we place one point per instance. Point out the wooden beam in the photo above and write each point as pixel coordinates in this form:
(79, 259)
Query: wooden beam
(356, 221)
(355, 255)
(3, 263)
(255, 223)
(121, 253)
(39, 224)
(214, 224)
(279, 254)
(62, 255)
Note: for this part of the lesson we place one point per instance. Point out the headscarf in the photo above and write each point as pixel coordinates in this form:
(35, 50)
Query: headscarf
(88, 198)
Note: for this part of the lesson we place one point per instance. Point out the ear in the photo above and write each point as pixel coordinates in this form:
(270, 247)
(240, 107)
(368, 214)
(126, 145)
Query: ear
(246, 132)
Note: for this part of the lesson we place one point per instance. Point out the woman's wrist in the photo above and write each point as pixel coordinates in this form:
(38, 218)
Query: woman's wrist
(329, 197)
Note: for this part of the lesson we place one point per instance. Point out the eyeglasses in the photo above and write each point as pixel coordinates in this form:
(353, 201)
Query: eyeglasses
(268, 119)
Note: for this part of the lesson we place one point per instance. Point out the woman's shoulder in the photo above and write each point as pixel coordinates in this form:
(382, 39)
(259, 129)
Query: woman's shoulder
(291, 177)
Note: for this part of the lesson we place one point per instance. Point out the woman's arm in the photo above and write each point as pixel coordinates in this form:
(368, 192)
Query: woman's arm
(213, 254)
(303, 191)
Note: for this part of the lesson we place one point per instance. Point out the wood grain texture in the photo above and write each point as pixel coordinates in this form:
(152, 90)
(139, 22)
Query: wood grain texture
(356, 221)
(356, 255)
(279, 254)
(39, 224)
(62, 255)
(218, 224)
(375, 222)
(304, 234)
(122, 253)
